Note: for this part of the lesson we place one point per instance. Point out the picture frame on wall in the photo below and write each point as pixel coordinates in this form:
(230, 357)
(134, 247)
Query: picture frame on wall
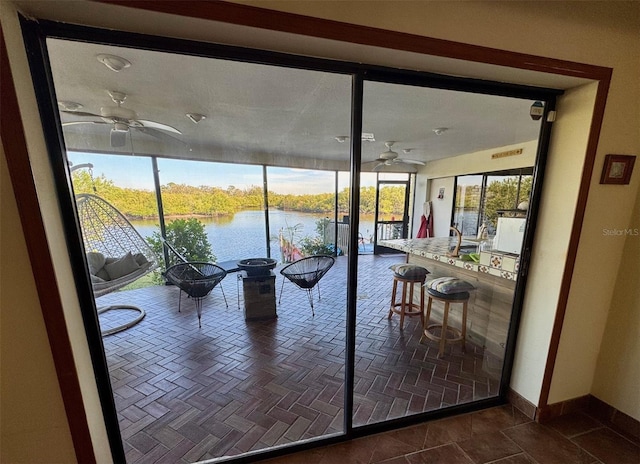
(617, 169)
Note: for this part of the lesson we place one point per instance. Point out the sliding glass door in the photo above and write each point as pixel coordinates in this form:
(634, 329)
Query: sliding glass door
(238, 177)
(228, 157)
(431, 333)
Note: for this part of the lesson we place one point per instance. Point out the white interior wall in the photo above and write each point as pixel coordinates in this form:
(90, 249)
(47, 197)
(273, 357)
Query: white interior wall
(441, 173)
(49, 205)
(475, 23)
(420, 196)
(27, 368)
(441, 208)
(481, 161)
(551, 241)
(622, 331)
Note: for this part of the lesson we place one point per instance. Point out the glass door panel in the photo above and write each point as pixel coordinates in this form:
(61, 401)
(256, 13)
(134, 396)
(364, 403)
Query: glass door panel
(466, 211)
(257, 362)
(301, 208)
(392, 220)
(402, 366)
(225, 200)
(367, 223)
(504, 194)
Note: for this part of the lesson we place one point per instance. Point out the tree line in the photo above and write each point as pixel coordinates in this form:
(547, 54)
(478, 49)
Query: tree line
(187, 200)
(499, 195)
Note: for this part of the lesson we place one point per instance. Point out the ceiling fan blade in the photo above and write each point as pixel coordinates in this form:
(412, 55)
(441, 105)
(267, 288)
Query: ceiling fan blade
(159, 135)
(409, 161)
(156, 125)
(379, 166)
(81, 113)
(73, 123)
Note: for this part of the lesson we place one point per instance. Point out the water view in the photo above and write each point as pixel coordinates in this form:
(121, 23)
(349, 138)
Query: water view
(242, 235)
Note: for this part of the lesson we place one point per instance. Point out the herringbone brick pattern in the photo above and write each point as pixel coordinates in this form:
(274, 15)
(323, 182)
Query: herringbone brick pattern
(185, 394)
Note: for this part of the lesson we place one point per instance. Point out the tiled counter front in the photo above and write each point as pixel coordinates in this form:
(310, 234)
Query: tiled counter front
(495, 263)
(494, 277)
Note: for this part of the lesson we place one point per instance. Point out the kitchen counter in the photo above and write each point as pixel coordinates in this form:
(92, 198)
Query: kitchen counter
(494, 278)
(492, 262)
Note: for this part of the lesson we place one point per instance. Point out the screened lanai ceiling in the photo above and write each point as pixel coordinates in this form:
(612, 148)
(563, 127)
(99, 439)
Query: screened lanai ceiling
(266, 114)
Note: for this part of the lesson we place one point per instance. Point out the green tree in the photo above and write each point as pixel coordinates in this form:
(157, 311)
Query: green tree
(310, 246)
(504, 195)
(188, 237)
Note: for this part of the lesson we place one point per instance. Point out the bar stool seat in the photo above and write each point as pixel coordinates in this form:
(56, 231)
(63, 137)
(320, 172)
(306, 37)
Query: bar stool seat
(408, 275)
(458, 335)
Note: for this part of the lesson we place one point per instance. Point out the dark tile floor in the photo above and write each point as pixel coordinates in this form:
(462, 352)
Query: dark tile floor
(499, 435)
(185, 394)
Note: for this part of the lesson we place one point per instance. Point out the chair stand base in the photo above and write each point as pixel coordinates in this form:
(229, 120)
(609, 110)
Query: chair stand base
(410, 309)
(456, 338)
(459, 335)
(125, 326)
(406, 307)
(198, 302)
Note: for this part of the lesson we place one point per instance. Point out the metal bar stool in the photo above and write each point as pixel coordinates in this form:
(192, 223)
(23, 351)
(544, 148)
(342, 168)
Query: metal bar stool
(408, 275)
(452, 291)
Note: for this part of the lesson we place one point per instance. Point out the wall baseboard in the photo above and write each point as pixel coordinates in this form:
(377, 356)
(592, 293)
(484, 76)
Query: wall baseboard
(589, 404)
(617, 420)
(551, 411)
(521, 404)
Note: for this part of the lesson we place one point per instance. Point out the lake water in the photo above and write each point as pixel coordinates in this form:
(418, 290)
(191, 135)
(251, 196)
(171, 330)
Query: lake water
(243, 235)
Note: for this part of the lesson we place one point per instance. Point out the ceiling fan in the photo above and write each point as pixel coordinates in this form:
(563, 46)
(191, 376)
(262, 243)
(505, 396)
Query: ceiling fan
(123, 120)
(390, 157)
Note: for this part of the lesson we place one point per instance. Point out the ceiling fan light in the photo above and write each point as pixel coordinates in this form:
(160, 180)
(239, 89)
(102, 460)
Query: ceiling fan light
(118, 136)
(120, 127)
(113, 62)
(196, 117)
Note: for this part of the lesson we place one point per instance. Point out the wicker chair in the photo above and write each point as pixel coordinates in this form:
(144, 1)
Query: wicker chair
(196, 279)
(306, 274)
(175, 257)
(117, 255)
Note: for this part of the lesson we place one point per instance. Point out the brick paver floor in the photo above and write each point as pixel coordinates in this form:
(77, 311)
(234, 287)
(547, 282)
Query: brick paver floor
(185, 394)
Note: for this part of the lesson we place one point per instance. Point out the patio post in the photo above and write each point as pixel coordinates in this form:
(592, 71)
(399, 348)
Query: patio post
(156, 184)
(265, 200)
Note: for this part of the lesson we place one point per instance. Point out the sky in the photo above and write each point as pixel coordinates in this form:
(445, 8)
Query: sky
(136, 172)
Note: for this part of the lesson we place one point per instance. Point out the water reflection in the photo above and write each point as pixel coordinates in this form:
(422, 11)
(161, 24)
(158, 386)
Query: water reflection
(242, 235)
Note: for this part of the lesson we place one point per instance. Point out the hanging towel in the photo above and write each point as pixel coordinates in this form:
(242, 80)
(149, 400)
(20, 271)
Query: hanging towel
(426, 223)
(422, 231)
(426, 209)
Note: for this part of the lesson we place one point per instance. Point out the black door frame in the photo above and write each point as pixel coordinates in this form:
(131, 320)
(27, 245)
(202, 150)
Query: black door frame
(35, 34)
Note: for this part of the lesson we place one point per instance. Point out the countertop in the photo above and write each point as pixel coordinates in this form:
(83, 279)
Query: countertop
(497, 263)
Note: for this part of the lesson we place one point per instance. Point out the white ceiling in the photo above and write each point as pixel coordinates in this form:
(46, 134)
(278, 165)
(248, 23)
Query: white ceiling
(273, 115)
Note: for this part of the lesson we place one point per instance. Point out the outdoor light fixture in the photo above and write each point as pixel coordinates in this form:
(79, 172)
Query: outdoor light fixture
(113, 62)
(196, 117)
(536, 111)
